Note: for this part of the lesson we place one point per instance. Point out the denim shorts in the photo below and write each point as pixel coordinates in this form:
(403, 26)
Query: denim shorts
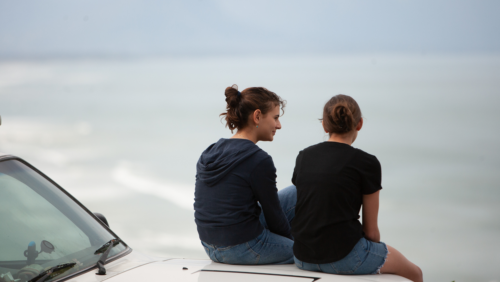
(267, 248)
(366, 257)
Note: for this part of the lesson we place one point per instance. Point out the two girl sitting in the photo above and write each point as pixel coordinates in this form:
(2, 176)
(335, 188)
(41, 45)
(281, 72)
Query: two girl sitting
(242, 218)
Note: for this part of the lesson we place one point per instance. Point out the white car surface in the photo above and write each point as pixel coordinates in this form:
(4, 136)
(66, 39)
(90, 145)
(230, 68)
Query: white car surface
(137, 267)
(47, 235)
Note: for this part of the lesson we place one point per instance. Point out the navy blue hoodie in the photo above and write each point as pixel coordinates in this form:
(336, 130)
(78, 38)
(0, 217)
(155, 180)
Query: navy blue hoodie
(232, 176)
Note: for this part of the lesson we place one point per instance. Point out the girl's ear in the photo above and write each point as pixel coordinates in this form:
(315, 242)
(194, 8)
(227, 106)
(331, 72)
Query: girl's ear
(360, 125)
(326, 131)
(257, 115)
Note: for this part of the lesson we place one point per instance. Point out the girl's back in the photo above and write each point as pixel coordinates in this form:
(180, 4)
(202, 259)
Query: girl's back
(331, 178)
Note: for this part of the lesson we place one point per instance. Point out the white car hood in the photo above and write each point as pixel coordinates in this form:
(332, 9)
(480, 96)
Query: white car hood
(180, 270)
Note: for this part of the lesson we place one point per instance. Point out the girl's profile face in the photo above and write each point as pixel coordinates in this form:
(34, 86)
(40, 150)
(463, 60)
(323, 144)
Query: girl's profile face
(268, 125)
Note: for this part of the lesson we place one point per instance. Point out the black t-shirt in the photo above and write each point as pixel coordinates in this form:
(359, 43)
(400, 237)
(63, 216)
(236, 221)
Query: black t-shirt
(331, 179)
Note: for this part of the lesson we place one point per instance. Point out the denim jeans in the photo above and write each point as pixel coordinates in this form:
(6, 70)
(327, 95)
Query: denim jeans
(366, 257)
(267, 248)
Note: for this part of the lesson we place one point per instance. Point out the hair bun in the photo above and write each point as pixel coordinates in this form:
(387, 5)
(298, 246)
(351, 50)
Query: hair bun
(231, 94)
(342, 117)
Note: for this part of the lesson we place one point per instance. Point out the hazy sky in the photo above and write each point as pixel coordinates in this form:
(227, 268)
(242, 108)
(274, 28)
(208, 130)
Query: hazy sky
(201, 27)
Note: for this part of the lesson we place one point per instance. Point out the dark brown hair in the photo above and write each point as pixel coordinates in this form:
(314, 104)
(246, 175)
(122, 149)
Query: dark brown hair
(341, 114)
(241, 104)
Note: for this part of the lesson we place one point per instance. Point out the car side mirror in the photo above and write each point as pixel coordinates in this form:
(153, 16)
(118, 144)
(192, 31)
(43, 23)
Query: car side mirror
(101, 218)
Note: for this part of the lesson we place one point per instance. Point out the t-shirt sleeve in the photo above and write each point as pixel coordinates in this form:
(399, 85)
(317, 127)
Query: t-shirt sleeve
(263, 181)
(371, 175)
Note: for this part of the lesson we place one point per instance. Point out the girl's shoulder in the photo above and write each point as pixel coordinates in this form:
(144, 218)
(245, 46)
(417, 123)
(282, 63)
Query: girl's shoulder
(366, 159)
(363, 153)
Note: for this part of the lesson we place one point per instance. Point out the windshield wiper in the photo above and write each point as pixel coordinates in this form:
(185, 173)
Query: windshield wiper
(53, 272)
(104, 250)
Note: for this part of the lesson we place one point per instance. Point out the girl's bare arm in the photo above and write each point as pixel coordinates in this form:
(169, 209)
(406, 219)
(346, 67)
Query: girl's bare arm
(370, 216)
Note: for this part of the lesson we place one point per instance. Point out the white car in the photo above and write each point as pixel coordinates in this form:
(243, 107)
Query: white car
(47, 235)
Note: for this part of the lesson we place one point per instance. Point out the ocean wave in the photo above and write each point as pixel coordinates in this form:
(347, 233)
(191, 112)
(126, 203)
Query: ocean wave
(179, 194)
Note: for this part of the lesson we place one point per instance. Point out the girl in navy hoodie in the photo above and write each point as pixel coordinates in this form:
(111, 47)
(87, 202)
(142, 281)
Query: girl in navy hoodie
(240, 215)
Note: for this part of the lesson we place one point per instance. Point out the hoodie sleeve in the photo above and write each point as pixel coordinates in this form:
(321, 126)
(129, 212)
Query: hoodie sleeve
(263, 181)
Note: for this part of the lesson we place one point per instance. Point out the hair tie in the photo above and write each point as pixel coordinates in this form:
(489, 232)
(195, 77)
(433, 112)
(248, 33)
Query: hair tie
(239, 94)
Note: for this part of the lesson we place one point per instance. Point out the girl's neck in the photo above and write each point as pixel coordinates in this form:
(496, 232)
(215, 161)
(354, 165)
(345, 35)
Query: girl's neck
(346, 138)
(246, 133)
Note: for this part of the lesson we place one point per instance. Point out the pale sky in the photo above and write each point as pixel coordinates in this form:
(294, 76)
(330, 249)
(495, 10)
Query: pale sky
(45, 28)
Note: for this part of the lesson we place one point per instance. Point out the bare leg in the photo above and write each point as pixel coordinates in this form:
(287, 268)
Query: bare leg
(398, 264)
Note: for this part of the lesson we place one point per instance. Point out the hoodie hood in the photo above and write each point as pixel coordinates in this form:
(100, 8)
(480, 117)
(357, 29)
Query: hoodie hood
(221, 157)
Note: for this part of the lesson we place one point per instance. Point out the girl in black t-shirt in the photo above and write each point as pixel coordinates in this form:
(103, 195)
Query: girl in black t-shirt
(333, 180)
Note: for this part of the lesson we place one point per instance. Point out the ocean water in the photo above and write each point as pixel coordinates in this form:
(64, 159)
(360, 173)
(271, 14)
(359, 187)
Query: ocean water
(123, 136)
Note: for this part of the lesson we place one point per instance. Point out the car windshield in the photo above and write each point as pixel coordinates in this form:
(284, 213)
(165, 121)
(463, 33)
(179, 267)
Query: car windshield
(41, 227)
